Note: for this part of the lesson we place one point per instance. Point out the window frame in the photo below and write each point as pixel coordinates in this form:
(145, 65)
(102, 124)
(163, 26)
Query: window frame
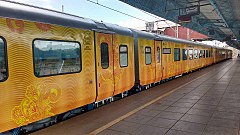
(184, 54)
(42, 39)
(123, 53)
(158, 54)
(189, 54)
(207, 53)
(201, 53)
(166, 53)
(195, 50)
(148, 53)
(178, 54)
(101, 55)
(6, 59)
(204, 53)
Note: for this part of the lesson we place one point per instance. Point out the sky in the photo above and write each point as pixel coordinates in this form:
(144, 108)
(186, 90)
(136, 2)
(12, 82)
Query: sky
(90, 10)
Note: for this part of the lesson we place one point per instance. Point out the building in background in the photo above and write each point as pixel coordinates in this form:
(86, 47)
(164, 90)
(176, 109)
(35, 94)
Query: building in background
(184, 33)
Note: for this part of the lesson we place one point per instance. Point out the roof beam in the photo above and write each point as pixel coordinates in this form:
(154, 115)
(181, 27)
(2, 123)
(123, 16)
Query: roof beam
(221, 16)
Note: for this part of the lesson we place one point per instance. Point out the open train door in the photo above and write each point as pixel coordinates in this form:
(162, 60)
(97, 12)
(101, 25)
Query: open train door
(158, 57)
(104, 61)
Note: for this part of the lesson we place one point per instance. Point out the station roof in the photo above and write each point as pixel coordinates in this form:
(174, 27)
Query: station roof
(219, 19)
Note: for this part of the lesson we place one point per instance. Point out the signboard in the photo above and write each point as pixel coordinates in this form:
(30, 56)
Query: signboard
(193, 10)
(150, 26)
(166, 50)
(184, 18)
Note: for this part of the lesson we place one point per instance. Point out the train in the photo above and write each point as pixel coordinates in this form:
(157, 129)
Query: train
(54, 65)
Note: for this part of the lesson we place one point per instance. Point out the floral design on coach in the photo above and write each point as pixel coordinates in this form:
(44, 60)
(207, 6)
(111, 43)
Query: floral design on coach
(38, 103)
(43, 26)
(15, 25)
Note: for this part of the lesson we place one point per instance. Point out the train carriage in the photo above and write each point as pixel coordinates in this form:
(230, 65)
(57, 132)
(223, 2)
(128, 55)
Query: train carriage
(145, 60)
(115, 60)
(50, 67)
(53, 62)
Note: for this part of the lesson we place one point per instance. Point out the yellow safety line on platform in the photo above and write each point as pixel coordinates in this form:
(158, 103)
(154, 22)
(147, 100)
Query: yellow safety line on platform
(97, 131)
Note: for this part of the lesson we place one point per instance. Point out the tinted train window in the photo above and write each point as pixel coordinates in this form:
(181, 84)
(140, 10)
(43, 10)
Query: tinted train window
(207, 54)
(104, 55)
(3, 61)
(201, 54)
(195, 54)
(190, 54)
(158, 55)
(56, 57)
(148, 55)
(176, 54)
(123, 52)
(184, 54)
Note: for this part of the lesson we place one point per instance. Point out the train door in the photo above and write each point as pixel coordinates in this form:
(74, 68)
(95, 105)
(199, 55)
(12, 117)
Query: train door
(158, 55)
(146, 61)
(124, 78)
(104, 61)
(166, 59)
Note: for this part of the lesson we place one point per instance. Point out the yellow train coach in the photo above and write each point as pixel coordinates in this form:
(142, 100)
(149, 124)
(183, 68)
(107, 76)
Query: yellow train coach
(52, 62)
(54, 65)
(159, 57)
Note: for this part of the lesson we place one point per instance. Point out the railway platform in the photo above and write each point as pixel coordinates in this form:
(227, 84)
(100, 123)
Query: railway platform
(203, 102)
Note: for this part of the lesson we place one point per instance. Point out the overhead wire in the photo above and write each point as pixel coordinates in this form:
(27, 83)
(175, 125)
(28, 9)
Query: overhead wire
(116, 10)
(158, 18)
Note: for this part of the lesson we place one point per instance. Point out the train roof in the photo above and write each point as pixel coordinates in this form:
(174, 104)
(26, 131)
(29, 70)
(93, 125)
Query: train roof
(178, 40)
(152, 36)
(143, 34)
(115, 28)
(9, 9)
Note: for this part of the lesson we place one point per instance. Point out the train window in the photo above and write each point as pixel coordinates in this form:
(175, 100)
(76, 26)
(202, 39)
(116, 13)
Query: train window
(190, 54)
(53, 57)
(104, 55)
(195, 54)
(204, 54)
(184, 54)
(123, 52)
(148, 55)
(201, 54)
(3, 61)
(207, 55)
(158, 55)
(176, 54)
(166, 50)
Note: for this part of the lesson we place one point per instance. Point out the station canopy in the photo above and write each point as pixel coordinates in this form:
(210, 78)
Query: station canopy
(218, 19)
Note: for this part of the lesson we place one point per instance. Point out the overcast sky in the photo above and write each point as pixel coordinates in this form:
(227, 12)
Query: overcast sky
(87, 9)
